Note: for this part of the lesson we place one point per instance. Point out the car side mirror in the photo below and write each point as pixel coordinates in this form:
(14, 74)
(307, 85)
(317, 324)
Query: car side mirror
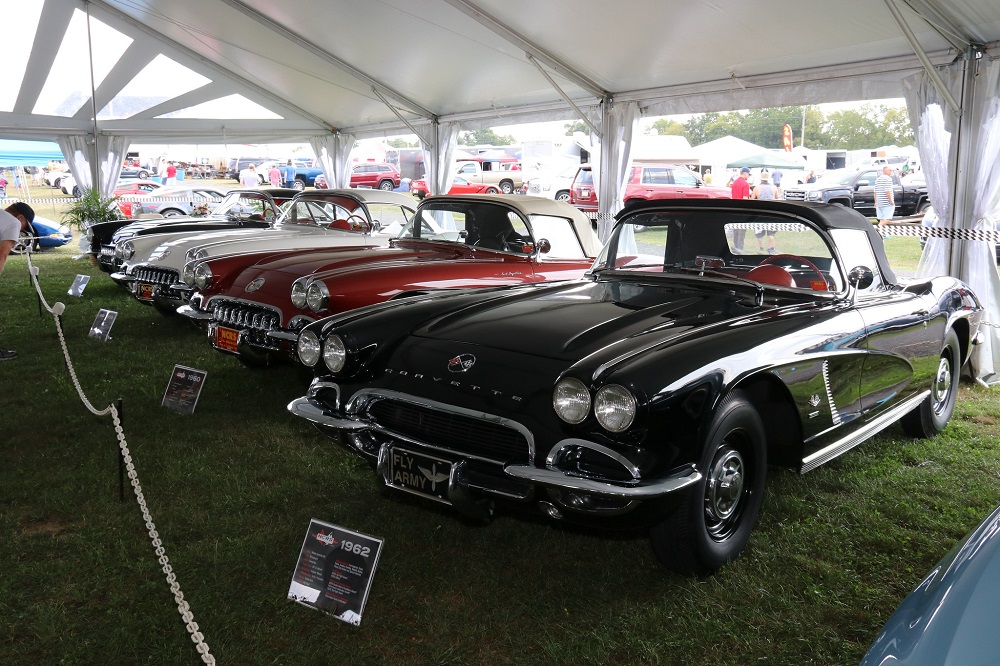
(861, 277)
(862, 183)
(543, 245)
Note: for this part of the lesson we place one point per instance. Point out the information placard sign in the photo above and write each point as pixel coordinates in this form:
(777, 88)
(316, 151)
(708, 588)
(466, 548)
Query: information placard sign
(79, 284)
(183, 389)
(101, 329)
(335, 570)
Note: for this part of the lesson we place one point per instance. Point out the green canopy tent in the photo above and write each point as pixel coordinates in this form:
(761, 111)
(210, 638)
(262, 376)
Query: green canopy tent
(768, 159)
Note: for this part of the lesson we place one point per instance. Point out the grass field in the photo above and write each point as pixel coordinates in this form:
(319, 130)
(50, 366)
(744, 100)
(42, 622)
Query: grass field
(233, 486)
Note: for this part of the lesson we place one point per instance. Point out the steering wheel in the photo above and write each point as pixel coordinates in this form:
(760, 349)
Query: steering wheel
(358, 223)
(797, 258)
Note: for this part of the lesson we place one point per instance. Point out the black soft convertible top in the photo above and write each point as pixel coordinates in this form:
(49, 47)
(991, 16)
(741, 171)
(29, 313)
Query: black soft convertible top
(824, 216)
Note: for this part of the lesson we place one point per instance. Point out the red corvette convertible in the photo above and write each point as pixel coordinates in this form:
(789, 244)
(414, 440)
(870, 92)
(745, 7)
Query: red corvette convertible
(460, 185)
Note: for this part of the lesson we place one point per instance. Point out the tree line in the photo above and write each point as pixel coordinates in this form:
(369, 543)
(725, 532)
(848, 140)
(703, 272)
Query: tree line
(868, 126)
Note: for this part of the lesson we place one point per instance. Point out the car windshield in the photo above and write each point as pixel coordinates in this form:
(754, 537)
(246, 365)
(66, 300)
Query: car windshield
(766, 248)
(481, 224)
(244, 206)
(837, 177)
(324, 212)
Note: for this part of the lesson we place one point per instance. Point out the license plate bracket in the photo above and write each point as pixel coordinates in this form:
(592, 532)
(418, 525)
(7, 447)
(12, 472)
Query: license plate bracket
(226, 339)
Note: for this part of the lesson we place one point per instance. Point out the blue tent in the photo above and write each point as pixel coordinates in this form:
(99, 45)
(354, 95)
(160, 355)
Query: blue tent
(14, 152)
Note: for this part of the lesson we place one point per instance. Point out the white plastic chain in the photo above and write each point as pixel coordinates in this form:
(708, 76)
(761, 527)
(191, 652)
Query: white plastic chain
(182, 605)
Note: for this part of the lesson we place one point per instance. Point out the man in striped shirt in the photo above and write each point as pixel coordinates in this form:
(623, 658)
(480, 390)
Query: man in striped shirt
(885, 205)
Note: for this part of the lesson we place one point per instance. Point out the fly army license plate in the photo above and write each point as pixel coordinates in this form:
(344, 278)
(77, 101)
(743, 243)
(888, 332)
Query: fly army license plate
(418, 474)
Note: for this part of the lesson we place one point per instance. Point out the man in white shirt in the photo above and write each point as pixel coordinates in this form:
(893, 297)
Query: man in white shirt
(13, 220)
(249, 177)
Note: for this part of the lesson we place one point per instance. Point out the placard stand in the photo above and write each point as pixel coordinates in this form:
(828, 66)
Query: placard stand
(335, 570)
(183, 389)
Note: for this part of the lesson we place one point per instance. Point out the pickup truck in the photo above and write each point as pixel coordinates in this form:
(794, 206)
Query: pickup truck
(856, 189)
(490, 172)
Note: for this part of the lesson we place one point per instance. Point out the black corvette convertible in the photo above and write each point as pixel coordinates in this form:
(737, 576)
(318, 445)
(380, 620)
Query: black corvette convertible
(655, 391)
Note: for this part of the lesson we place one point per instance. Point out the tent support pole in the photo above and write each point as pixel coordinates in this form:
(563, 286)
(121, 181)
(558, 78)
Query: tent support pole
(95, 150)
(921, 55)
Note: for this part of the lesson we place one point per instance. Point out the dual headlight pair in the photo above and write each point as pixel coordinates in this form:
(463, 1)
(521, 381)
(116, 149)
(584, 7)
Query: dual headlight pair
(333, 351)
(313, 295)
(197, 274)
(613, 406)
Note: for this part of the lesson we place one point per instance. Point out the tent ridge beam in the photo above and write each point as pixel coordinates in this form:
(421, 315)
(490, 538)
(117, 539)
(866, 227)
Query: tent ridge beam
(328, 57)
(495, 26)
(562, 94)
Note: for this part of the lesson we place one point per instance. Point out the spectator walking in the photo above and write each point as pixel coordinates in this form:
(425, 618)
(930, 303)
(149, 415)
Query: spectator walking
(274, 175)
(288, 174)
(740, 190)
(766, 192)
(171, 174)
(16, 218)
(249, 178)
(885, 204)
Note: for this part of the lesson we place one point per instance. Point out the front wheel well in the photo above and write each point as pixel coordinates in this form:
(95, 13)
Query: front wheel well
(783, 430)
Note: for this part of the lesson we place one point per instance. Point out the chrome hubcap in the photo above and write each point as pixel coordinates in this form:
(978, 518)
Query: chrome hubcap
(942, 381)
(725, 485)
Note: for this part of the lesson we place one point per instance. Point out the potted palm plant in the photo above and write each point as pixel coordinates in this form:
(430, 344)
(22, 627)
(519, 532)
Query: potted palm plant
(90, 209)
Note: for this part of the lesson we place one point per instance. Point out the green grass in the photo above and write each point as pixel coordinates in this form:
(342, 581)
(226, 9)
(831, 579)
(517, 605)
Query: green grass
(232, 488)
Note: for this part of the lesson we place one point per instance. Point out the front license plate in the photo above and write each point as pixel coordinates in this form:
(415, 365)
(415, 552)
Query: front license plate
(144, 291)
(226, 339)
(419, 474)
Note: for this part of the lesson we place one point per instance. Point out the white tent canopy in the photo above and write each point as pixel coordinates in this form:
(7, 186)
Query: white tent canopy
(96, 76)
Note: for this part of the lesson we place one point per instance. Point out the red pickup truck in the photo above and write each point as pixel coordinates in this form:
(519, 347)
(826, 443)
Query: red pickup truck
(648, 181)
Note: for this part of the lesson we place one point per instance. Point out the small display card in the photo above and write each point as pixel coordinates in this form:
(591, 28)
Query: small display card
(103, 322)
(335, 570)
(183, 389)
(79, 284)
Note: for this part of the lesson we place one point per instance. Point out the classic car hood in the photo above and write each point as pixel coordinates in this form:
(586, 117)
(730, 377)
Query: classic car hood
(325, 264)
(579, 318)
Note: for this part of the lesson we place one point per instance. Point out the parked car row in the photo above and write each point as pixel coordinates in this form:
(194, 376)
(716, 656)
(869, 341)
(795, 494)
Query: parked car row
(483, 352)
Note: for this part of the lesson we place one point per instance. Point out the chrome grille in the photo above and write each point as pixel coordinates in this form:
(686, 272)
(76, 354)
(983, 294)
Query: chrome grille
(795, 195)
(454, 432)
(254, 320)
(153, 275)
(107, 251)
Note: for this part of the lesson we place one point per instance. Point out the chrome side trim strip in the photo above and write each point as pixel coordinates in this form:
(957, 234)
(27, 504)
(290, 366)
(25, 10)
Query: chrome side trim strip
(878, 424)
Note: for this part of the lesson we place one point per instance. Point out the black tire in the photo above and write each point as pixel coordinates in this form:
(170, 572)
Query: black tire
(506, 186)
(935, 411)
(298, 184)
(562, 195)
(77, 192)
(712, 525)
(386, 186)
(172, 212)
(143, 175)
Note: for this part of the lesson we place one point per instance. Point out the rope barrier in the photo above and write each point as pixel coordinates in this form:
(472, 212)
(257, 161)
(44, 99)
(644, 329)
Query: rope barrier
(182, 605)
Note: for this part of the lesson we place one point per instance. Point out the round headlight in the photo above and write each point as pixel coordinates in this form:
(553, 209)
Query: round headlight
(202, 276)
(335, 353)
(90, 234)
(308, 348)
(614, 408)
(571, 400)
(317, 296)
(128, 250)
(299, 294)
(196, 254)
(187, 275)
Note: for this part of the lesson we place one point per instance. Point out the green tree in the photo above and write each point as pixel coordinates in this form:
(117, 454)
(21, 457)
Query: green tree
(869, 127)
(403, 143)
(577, 126)
(667, 126)
(484, 137)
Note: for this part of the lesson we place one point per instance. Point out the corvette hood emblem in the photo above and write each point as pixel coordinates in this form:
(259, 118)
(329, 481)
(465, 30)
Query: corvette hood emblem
(255, 285)
(461, 363)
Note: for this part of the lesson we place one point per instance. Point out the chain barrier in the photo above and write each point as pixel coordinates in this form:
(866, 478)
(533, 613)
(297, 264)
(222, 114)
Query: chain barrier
(182, 605)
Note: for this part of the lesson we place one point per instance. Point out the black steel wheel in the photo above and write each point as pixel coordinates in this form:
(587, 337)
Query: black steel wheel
(935, 411)
(712, 525)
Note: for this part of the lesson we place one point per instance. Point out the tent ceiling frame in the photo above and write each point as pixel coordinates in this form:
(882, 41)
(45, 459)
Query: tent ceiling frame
(319, 52)
(897, 16)
(264, 93)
